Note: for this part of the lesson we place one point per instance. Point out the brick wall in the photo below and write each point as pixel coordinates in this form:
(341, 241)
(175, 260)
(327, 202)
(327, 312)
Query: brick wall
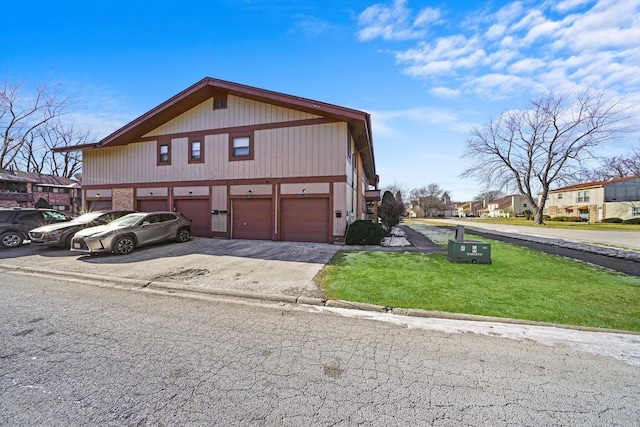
(122, 199)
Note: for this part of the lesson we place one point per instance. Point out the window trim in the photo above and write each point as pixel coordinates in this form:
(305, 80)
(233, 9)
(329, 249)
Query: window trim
(160, 143)
(232, 137)
(190, 148)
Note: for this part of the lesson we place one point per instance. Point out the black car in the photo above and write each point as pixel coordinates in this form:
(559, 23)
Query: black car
(61, 234)
(15, 223)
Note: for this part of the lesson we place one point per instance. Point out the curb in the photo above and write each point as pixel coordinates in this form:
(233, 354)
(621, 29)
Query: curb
(341, 304)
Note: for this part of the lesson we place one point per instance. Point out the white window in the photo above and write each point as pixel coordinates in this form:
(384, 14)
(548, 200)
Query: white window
(635, 211)
(583, 196)
(241, 146)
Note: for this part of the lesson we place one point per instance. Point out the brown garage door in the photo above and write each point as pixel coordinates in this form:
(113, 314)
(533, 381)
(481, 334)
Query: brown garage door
(251, 219)
(153, 205)
(305, 220)
(199, 212)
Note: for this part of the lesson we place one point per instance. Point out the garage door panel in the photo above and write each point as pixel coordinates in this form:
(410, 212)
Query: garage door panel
(305, 220)
(153, 205)
(199, 212)
(252, 219)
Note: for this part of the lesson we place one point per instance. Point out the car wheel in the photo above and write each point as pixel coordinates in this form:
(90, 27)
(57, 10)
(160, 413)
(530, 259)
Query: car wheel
(124, 245)
(183, 235)
(11, 239)
(67, 241)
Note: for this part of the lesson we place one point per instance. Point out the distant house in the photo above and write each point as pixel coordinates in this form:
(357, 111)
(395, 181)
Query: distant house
(470, 209)
(25, 189)
(595, 201)
(508, 206)
(241, 163)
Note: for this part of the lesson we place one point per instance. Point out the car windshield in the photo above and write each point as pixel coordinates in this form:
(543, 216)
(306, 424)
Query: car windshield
(87, 218)
(128, 220)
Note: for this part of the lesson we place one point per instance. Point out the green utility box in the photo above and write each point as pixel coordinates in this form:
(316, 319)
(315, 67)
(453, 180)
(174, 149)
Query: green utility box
(469, 252)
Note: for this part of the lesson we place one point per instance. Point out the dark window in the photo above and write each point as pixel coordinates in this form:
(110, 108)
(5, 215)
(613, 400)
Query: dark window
(29, 216)
(220, 102)
(164, 152)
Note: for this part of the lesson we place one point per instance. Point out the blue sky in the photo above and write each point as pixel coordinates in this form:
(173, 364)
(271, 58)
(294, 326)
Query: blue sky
(425, 70)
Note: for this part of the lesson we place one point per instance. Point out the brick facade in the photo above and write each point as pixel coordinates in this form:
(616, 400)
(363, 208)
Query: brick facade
(122, 199)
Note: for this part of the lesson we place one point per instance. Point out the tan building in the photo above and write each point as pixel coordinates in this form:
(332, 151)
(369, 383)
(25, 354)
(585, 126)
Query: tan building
(508, 206)
(595, 201)
(240, 162)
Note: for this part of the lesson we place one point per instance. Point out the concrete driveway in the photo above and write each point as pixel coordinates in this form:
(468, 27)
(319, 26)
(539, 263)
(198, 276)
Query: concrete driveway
(285, 268)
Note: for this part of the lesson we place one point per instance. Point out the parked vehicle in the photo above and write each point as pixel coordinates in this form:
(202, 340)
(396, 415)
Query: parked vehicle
(60, 234)
(125, 234)
(15, 223)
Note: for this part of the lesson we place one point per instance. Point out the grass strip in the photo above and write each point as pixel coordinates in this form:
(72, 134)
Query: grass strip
(520, 283)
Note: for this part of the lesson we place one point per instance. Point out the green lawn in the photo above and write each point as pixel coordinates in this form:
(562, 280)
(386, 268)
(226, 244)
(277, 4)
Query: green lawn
(547, 224)
(520, 283)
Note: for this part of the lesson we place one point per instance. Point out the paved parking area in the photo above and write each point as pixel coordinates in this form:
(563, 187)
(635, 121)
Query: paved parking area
(285, 268)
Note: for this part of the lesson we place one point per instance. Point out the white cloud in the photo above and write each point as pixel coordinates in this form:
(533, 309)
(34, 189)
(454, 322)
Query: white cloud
(567, 5)
(523, 46)
(310, 26)
(394, 22)
(445, 92)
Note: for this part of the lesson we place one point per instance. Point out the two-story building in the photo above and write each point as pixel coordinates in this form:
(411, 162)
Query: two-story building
(25, 189)
(240, 162)
(595, 201)
(508, 206)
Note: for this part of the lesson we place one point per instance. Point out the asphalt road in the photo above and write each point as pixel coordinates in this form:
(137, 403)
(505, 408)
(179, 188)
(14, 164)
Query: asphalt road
(79, 354)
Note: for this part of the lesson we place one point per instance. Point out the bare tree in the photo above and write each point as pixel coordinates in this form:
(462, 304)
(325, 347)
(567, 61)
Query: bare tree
(531, 149)
(488, 196)
(37, 153)
(21, 115)
(429, 198)
(399, 191)
(617, 167)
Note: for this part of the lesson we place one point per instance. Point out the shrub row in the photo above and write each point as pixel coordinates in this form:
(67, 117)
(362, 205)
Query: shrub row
(631, 221)
(364, 232)
(566, 219)
(613, 220)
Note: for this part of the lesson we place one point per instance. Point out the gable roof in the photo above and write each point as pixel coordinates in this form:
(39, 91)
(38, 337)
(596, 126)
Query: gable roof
(503, 202)
(37, 178)
(593, 184)
(359, 122)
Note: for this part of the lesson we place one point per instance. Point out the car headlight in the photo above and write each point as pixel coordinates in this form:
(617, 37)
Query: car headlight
(104, 235)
